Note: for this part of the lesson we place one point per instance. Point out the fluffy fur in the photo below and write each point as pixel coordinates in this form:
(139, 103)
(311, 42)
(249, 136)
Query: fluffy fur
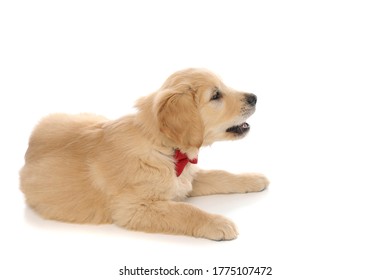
(87, 169)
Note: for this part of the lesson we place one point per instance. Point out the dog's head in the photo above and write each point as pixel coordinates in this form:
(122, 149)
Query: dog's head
(194, 108)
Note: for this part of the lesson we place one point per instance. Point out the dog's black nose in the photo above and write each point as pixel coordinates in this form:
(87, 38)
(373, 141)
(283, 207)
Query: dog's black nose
(251, 99)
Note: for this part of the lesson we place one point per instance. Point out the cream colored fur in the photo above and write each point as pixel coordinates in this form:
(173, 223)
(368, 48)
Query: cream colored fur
(88, 169)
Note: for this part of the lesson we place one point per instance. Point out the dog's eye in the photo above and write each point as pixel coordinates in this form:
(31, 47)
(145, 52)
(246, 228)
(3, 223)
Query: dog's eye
(217, 95)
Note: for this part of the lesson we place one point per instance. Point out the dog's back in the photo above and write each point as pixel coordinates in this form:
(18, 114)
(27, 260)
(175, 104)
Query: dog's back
(55, 177)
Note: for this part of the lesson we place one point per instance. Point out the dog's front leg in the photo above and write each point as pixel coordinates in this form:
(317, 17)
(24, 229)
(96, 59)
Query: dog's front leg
(172, 218)
(218, 182)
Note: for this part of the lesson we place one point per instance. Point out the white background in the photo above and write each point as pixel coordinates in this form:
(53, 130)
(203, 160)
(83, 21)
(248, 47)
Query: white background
(321, 70)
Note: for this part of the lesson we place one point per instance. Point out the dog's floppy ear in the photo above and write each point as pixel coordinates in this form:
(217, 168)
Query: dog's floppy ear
(179, 119)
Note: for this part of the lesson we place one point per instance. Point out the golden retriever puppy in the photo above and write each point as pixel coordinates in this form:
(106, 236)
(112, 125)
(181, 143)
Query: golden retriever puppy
(134, 171)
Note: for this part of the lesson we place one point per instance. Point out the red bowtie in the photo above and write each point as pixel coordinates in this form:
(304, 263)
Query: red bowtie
(181, 162)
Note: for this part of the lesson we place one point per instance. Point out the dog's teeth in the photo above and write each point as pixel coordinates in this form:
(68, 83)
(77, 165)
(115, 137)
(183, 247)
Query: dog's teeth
(245, 125)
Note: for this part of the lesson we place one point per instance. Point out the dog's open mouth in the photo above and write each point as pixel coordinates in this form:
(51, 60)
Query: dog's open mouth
(239, 129)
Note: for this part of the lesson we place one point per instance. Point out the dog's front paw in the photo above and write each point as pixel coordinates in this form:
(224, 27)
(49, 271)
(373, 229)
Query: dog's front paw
(253, 182)
(218, 228)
